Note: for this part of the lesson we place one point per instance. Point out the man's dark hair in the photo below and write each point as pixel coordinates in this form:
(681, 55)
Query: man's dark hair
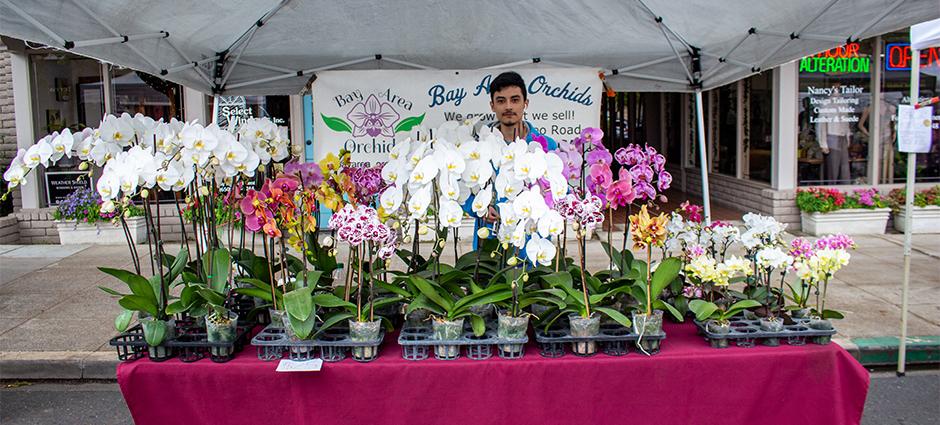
(507, 79)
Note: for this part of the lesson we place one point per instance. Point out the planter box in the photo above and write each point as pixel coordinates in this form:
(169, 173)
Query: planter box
(925, 219)
(850, 222)
(101, 233)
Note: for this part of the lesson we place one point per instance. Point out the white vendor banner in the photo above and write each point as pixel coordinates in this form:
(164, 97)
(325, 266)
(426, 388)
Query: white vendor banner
(366, 112)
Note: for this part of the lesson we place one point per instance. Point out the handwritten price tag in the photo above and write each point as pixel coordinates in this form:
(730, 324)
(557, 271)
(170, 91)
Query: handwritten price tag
(287, 365)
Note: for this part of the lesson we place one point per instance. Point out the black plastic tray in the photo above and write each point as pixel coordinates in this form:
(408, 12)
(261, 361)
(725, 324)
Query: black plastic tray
(190, 344)
(747, 332)
(272, 342)
(416, 342)
(612, 340)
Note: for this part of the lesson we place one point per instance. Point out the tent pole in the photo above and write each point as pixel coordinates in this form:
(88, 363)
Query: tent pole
(702, 156)
(908, 218)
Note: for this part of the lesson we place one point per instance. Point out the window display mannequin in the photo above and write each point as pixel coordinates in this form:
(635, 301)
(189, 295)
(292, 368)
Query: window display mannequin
(834, 135)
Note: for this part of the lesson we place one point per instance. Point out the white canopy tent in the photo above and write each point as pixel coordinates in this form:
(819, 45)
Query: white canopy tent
(276, 47)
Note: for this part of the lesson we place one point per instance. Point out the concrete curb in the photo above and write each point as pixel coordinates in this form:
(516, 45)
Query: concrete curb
(92, 365)
(29, 365)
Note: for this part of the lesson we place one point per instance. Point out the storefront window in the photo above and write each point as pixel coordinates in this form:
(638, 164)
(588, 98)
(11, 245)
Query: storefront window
(835, 89)
(67, 93)
(726, 130)
(233, 110)
(137, 92)
(896, 90)
(758, 137)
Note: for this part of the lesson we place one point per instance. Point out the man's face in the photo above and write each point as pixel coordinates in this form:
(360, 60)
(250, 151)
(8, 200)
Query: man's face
(508, 104)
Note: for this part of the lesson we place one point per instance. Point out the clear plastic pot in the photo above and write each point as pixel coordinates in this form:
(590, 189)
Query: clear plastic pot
(446, 330)
(224, 330)
(509, 327)
(364, 332)
(584, 327)
(717, 328)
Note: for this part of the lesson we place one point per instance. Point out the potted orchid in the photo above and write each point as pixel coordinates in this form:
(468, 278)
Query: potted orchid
(817, 269)
(825, 211)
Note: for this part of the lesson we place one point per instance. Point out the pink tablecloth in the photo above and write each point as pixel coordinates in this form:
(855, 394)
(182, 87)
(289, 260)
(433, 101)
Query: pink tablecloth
(687, 383)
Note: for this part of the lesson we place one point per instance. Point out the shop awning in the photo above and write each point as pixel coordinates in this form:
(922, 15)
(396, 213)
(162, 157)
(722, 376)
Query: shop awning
(275, 47)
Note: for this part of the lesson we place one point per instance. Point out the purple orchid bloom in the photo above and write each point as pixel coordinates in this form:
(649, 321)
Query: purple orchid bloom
(642, 172)
(540, 139)
(664, 180)
(659, 162)
(593, 135)
(599, 156)
(631, 155)
(309, 172)
(373, 117)
(644, 190)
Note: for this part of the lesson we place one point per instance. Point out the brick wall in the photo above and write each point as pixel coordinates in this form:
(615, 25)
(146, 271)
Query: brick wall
(36, 226)
(7, 120)
(9, 230)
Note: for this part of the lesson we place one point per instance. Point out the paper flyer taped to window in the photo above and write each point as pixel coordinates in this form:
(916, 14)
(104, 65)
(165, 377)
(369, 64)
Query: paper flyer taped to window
(914, 130)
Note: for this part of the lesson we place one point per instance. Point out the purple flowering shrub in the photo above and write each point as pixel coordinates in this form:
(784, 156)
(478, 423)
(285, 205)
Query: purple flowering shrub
(84, 206)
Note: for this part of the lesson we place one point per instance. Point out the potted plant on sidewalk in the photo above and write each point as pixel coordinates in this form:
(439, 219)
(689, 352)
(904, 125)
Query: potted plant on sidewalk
(79, 220)
(827, 210)
(925, 213)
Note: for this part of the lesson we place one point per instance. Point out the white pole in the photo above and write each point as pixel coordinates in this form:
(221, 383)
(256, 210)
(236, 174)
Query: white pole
(908, 214)
(702, 156)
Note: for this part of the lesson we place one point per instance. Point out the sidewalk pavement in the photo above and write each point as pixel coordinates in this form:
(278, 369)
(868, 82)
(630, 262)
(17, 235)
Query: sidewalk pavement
(55, 323)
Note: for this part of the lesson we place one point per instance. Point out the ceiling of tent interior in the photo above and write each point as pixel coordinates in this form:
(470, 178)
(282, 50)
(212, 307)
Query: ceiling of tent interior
(276, 47)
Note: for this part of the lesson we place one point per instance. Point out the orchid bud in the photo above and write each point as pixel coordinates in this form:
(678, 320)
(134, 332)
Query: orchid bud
(388, 264)
(505, 245)
(333, 252)
(204, 191)
(328, 241)
(144, 193)
(107, 207)
(407, 239)
(127, 213)
(492, 255)
(83, 166)
(297, 150)
(483, 232)
(423, 230)
(441, 243)
(525, 277)
(396, 225)
(512, 261)
(575, 225)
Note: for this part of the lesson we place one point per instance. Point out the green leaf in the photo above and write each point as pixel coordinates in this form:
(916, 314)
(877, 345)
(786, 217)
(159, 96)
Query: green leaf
(562, 279)
(487, 298)
(330, 301)
(188, 295)
(256, 293)
(381, 302)
(408, 123)
(218, 270)
(312, 277)
(832, 314)
(123, 320)
(139, 303)
(334, 319)
(176, 307)
(336, 124)
(111, 291)
(473, 298)
(154, 331)
(667, 271)
(211, 296)
(302, 327)
(738, 307)
(662, 305)
(299, 303)
(703, 309)
(190, 277)
(478, 325)
(394, 289)
(179, 262)
(615, 315)
(425, 287)
(138, 284)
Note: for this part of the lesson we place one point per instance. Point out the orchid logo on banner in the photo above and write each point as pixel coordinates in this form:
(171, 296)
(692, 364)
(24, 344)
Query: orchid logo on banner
(368, 112)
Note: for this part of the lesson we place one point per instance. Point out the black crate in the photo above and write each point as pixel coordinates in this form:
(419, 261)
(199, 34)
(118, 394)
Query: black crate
(747, 333)
(613, 340)
(417, 341)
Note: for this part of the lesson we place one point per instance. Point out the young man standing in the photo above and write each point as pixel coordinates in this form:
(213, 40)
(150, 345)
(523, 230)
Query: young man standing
(508, 101)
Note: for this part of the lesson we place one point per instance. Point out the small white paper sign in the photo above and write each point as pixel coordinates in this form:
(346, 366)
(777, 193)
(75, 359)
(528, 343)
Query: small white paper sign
(287, 365)
(914, 129)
